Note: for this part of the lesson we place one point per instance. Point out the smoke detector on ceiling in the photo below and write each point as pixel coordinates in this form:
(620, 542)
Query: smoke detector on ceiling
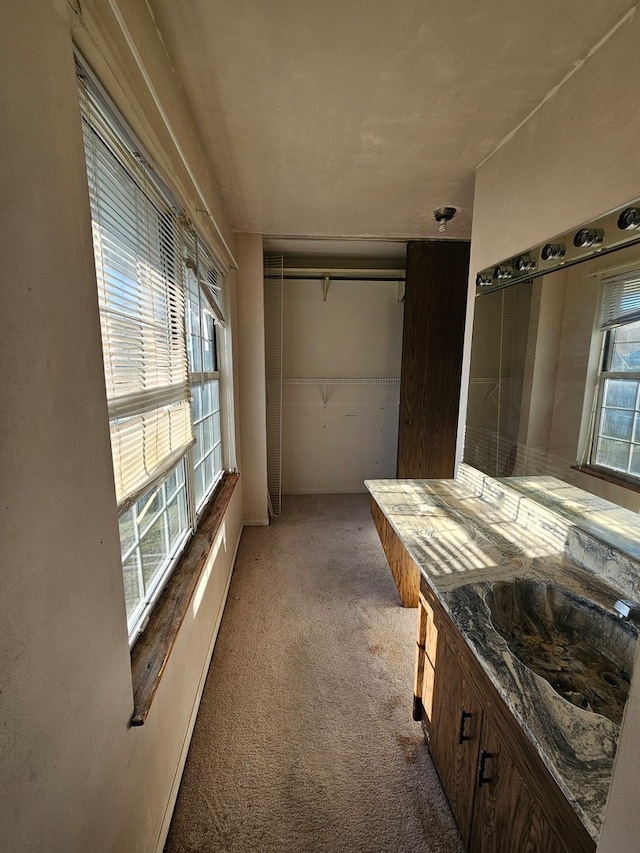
(442, 215)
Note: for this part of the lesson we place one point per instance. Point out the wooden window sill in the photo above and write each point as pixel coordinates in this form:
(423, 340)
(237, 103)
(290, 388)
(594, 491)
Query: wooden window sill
(610, 476)
(151, 651)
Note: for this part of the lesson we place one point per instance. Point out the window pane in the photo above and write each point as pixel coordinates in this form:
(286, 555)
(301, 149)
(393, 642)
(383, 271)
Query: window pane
(620, 393)
(175, 480)
(148, 507)
(628, 332)
(200, 439)
(177, 518)
(206, 398)
(626, 357)
(132, 591)
(200, 484)
(634, 468)
(207, 434)
(208, 342)
(626, 347)
(153, 550)
(127, 531)
(617, 423)
(612, 454)
(196, 365)
(217, 456)
(193, 324)
(209, 472)
(197, 454)
(215, 395)
(196, 405)
(191, 344)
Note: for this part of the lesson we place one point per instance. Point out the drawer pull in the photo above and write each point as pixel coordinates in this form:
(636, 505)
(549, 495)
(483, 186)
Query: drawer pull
(484, 757)
(464, 716)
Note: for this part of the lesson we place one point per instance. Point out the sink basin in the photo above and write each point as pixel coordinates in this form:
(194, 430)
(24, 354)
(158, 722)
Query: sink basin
(583, 651)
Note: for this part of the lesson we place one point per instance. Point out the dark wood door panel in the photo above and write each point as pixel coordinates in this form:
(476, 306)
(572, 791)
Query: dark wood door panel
(433, 335)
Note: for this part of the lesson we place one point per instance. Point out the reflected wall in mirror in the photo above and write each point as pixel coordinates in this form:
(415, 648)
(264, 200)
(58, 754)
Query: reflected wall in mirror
(555, 378)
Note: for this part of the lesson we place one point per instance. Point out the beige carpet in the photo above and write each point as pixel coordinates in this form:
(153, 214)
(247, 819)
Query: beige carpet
(304, 740)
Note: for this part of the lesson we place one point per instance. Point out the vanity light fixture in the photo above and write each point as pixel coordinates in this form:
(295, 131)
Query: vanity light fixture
(523, 263)
(586, 237)
(552, 252)
(484, 279)
(611, 231)
(503, 272)
(629, 219)
(442, 215)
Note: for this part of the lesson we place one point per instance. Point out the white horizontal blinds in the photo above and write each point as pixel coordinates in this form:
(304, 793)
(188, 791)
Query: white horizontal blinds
(138, 252)
(211, 283)
(620, 299)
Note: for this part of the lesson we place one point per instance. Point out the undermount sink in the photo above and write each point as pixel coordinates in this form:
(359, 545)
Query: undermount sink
(584, 652)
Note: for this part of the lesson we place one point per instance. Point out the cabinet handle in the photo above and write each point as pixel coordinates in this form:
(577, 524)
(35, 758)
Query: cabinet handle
(464, 716)
(484, 756)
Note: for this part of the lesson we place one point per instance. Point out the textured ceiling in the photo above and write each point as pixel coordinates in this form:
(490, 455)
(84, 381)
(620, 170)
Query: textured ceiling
(359, 117)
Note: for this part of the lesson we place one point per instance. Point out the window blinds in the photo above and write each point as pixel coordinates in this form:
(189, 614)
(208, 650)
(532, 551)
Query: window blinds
(620, 299)
(209, 279)
(137, 242)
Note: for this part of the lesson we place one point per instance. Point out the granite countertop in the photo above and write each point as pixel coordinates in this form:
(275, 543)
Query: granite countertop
(466, 534)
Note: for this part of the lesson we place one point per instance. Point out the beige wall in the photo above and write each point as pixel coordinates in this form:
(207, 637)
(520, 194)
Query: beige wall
(333, 443)
(540, 375)
(73, 775)
(252, 378)
(574, 159)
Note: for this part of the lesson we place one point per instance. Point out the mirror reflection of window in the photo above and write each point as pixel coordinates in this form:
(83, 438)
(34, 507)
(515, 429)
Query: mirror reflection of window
(615, 444)
(498, 364)
(554, 390)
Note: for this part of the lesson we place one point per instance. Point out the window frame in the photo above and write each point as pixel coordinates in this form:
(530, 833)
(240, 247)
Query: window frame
(134, 506)
(200, 276)
(600, 408)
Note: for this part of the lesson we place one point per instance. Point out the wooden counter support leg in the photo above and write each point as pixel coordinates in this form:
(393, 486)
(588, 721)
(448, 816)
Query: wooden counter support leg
(418, 707)
(405, 572)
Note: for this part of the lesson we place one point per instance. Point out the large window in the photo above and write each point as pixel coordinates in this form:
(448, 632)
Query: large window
(160, 306)
(616, 441)
(204, 316)
(152, 534)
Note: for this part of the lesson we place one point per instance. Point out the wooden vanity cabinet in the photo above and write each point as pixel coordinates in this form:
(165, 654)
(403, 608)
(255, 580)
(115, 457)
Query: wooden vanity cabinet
(504, 809)
(455, 734)
(427, 641)
(501, 794)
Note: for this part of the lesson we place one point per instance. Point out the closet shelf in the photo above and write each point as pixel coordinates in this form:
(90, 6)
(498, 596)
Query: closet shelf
(326, 382)
(335, 380)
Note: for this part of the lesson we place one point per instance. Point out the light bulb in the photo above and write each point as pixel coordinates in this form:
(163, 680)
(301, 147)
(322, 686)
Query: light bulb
(443, 215)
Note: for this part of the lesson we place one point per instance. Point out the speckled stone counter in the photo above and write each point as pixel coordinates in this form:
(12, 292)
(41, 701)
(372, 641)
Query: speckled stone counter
(468, 533)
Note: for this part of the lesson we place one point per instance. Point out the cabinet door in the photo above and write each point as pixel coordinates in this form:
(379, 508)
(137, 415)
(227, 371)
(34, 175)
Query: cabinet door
(427, 641)
(455, 735)
(506, 818)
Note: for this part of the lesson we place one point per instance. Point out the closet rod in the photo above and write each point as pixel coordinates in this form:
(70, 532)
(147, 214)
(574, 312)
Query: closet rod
(344, 274)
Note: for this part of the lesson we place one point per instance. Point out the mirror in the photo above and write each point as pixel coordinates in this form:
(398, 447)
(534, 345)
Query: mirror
(541, 411)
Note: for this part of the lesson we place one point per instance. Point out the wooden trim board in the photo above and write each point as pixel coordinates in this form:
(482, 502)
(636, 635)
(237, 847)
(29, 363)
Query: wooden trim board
(151, 651)
(406, 573)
